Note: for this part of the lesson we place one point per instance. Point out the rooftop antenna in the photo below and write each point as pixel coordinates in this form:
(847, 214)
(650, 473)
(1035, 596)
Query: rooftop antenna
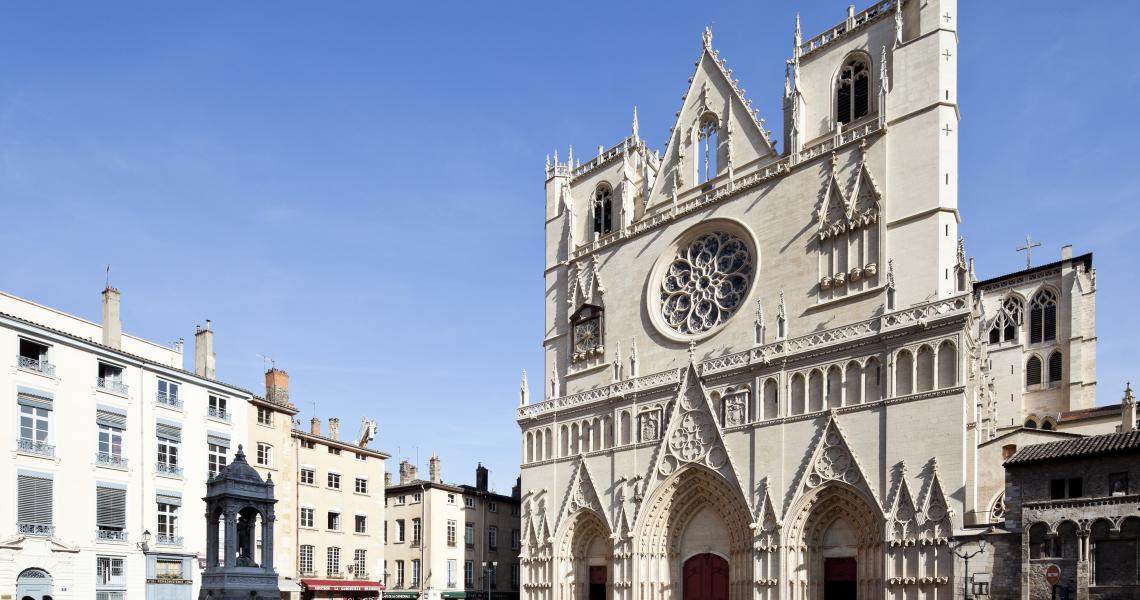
(108, 282)
(267, 360)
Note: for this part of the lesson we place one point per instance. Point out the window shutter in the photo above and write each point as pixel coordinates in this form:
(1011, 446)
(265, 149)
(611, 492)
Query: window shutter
(172, 498)
(169, 431)
(33, 397)
(862, 97)
(35, 499)
(218, 439)
(1033, 371)
(111, 417)
(843, 102)
(1050, 323)
(1055, 361)
(110, 507)
(1035, 325)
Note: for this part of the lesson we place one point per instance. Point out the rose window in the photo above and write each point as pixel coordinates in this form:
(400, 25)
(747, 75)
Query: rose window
(706, 283)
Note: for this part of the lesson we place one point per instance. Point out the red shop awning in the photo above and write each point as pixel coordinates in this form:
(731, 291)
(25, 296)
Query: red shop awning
(341, 585)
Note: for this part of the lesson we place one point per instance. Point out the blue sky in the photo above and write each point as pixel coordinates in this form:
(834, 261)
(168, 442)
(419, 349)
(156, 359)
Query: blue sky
(355, 188)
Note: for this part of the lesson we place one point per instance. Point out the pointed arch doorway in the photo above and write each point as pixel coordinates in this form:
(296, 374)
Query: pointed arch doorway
(705, 577)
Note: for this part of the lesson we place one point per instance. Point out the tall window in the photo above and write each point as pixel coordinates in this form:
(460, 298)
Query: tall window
(264, 454)
(216, 456)
(1043, 317)
(110, 440)
(468, 574)
(217, 408)
(169, 440)
(415, 573)
(361, 524)
(416, 531)
(111, 512)
(399, 574)
(109, 570)
(34, 426)
(1033, 371)
(493, 537)
(603, 209)
(707, 147)
(515, 576)
(334, 560)
(516, 539)
(305, 560)
(168, 393)
(1005, 325)
(334, 521)
(1055, 360)
(451, 533)
(360, 563)
(307, 517)
(400, 531)
(451, 572)
(167, 523)
(853, 93)
(469, 535)
(34, 505)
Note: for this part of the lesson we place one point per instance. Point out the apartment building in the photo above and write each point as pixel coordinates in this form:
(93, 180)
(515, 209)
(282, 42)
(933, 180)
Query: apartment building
(328, 538)
(426, 519)
(112, 443)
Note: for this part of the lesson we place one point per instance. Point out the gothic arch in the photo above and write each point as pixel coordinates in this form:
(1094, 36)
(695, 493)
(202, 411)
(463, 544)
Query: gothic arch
(661, 529)
(837, 81)
(583, 542)
(809, 538)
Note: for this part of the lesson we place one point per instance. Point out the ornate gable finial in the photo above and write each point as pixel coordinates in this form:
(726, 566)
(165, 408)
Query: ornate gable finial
(891, 273)
(781, 311)
(554, 381)
(617, 362)
(598, 274)
(570, 159)
(759, 313)
(834, 162)
(524, 391)
(884, 82)
(961, 252)
(1128, 399)
(898, 24)
(635, 132)
(633, 358)
(692, 350)
(706, 38)
(798, 40)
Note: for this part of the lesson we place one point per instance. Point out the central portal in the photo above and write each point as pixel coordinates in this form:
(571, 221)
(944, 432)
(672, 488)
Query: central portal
(839, 576)
(706, 578)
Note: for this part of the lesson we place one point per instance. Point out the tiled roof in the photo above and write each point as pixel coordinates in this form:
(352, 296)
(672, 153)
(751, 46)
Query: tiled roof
(1128, 441)
(1084, 258)
(1108, 410)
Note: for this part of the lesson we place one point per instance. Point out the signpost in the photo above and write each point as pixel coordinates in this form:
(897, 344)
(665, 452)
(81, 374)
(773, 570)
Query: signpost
(1052, 576)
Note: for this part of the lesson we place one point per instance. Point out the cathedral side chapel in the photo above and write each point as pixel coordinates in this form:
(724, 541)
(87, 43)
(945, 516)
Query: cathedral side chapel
(773, 373)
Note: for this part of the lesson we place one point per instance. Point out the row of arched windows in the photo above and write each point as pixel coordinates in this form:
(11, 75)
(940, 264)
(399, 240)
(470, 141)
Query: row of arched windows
(926, 369)
(1042, 318)
(1034, 373)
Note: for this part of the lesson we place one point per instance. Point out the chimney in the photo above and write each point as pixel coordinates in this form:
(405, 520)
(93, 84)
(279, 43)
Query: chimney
(407, 472)
(315, 426)
(334, 428)
(112, 323)
(481, 478)
(433, 469)
(205, 362)
(516, 491)
(387, 479)
(277, 386)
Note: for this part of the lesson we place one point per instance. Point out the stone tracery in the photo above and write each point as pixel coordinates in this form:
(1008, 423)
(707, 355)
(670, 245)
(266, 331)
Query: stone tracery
(706, 282)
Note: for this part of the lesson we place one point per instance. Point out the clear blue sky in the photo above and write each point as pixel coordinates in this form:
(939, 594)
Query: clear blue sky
(355, 188)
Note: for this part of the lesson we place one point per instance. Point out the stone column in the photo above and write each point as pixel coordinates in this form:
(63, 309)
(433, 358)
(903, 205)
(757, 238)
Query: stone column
(267, 542)
(211, 541)
(231, 537)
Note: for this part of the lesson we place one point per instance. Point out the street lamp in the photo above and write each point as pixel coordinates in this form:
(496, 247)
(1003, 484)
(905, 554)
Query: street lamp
(144, 545)
(960, 552)
(488, 568)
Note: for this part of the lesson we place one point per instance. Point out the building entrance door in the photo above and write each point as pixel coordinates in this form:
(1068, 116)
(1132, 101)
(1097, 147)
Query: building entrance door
(839, 575)
(706, 578)
(34, 584)
(597, 583)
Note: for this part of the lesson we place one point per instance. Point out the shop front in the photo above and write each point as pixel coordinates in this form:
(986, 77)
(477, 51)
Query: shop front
(339, 589)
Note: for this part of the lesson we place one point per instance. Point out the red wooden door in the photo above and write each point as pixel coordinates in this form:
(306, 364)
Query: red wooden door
(705, 577)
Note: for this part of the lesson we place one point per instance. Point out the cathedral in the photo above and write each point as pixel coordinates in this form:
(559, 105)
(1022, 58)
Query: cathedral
(774, 374)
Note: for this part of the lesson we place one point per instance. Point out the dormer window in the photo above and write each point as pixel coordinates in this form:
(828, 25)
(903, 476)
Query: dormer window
(707, 147)
(853, 91)
(586, 333)
(603, 210)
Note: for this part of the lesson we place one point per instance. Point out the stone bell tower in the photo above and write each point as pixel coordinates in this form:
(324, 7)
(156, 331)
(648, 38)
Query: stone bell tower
(238, 502)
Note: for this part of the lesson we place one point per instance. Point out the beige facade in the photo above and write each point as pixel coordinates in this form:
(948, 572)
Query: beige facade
(330, 509)
(454, 540)
(770, 373)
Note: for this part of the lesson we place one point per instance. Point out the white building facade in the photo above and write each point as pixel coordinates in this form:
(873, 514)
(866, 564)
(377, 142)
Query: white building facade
(768, 374)
(110, 443)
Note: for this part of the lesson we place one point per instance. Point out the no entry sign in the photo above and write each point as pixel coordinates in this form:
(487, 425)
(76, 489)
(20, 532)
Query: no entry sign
(1052, 574)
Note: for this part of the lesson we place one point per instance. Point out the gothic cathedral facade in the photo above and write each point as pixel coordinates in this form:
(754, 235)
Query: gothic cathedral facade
(769, 373)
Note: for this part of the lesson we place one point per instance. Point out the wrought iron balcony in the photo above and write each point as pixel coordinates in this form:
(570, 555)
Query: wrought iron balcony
(335, 574)
(111, 535)
(38, 365)
(167, 539)
(308, 573)
(360, 574)
(108, 459)
(112, 385)
(218, 413)
(35, 529)
(33, 447)
(167, 399)
(168, 469)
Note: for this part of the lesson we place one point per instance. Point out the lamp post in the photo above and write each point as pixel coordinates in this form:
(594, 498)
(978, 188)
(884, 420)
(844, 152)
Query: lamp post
(960, 552)
(144, 545)
(488, 568)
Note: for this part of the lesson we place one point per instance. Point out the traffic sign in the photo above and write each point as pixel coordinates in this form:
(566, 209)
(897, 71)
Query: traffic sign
(1052, 574)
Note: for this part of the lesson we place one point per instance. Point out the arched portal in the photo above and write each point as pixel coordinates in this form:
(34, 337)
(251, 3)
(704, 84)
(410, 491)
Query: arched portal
(835, 545)
(587, 554)
(705, 577)
(35, 584)
(696, 511)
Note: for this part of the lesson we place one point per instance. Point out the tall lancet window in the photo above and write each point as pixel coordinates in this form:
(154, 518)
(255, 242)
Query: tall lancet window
(853, 91)
(1043, 317)
(603, 209)
(707, 141)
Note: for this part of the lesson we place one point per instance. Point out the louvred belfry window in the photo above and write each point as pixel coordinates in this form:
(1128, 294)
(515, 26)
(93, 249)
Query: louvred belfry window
(603, 209)
(853, 91)
(1043, 317)
(1033, 371)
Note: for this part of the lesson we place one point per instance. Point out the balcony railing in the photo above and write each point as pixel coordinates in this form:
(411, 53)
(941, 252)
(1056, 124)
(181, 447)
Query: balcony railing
(360, 574)
(308, 573)
(167, 539)
(38, 365)
(167, 399)
(34, 447)
(218, 413)
(335, 574)
(110, 460)
(35, 529)
(112, 385)
(168, 469)
(111, 535)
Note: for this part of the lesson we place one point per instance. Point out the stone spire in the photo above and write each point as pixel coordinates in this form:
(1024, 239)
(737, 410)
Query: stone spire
(633, 358)
(1128, 415)
(636, 135)
(524, 391)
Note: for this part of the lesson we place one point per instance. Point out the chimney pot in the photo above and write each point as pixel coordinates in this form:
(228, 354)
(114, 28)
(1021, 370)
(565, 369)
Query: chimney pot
(433, 469)
(112, 322)
(334, 428)
(315, 426)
